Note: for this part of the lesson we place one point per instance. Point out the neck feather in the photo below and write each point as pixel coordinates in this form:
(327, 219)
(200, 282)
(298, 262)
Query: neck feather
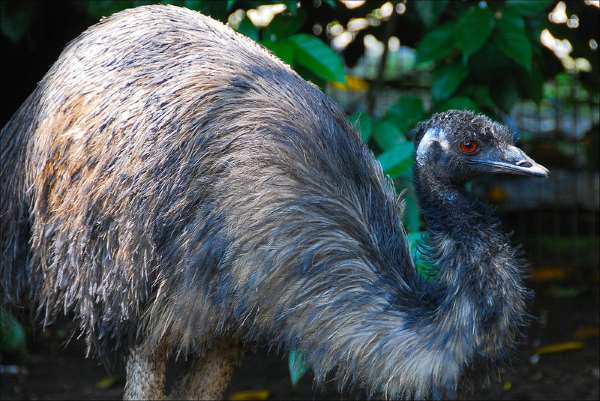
(479, 286)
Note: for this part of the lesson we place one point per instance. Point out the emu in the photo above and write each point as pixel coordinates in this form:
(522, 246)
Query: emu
(183, 192)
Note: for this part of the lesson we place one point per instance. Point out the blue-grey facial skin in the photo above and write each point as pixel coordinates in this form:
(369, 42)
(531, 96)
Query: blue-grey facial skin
(170, 181)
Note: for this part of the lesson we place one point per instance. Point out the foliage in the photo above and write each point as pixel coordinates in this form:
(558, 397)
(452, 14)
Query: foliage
(476, 55)
(12, 335)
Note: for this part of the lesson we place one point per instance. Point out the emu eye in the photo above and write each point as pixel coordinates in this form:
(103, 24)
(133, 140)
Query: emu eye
(469, 147)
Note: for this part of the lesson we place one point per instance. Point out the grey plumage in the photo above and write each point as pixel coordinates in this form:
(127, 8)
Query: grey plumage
(170, 181)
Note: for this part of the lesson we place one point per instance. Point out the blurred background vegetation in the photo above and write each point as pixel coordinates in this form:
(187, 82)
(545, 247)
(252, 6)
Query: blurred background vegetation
(531, 64)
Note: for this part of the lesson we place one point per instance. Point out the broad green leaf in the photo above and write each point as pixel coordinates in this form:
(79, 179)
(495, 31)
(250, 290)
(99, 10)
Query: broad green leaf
(473, 29)
(387, 134)
(436, 45)
(314, 54)
(247, 28)
(230, 4)
(15, 19)
(284, 25)
(481, 95)
(511, 38)
(282, 49)
(458, 103)
(364, 124)
(447, 79)
(398, 161)
(527, 7)
(292, 6)
(406, 112)
(297, 366)
(430, 10)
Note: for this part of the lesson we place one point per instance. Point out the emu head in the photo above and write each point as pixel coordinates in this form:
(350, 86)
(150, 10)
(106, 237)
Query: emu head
(455, 146)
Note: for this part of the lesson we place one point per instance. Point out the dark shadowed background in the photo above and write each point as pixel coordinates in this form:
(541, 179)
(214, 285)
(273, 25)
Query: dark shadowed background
(531, 64)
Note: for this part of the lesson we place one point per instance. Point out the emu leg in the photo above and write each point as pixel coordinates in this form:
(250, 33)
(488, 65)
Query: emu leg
(210, 375)
(146, 374)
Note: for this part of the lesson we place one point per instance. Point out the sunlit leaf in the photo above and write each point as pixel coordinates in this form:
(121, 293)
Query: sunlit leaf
(548, 274)
(248, 395)
(560, 347)
(108, 382)
(587, 332)
(314, 54)
(473, 29)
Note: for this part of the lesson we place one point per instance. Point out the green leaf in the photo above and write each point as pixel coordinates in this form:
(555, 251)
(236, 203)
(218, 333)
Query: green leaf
(282, 49)
(247, 28)
(15, 19)
(458, 103)
(364, 124)
(511, 38)
(481, 95)
(398, 161)
(12, 335)
(527, 7)
(473, 29)
(387, 134)
(191, 4)
(436, 45)
(430, 10)
(447, 79)
(318, 57)
(284, 25)
(330, 3)
(297, 366)
(230, 4)
(406, 112)
(292, 6)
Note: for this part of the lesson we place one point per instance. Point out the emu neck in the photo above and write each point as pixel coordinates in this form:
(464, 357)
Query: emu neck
(449, 210)
(474, 256)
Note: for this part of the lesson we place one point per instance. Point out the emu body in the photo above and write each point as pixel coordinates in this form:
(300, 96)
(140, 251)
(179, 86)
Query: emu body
(174, 185)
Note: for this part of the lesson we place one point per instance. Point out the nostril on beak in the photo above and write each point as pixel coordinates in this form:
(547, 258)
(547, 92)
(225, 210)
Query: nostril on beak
(524, 163)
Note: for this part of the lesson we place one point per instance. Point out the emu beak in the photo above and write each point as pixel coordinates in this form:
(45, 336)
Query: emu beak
(511, 160)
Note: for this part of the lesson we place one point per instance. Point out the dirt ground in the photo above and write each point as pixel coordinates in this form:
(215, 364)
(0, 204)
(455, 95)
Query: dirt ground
(56, 371)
